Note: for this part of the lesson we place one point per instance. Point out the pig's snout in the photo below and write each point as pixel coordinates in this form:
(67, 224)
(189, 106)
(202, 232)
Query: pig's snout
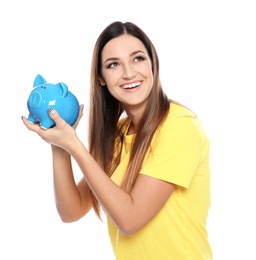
(35, 99)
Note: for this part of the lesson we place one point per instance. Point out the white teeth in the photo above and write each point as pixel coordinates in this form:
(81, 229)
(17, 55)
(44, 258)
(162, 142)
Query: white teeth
(133, 85)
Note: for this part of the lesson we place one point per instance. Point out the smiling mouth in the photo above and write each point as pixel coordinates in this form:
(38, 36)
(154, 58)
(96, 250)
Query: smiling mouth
(130, 86)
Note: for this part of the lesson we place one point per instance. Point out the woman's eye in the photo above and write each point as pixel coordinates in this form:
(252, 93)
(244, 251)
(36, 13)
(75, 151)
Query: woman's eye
(139, 58)
(112, 65)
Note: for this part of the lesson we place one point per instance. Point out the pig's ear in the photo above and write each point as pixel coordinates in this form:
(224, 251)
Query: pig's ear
(64, 89)
(39, 80)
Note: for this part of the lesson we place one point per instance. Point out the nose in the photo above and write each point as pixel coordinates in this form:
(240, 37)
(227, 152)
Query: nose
(128, 72)
(35, 99)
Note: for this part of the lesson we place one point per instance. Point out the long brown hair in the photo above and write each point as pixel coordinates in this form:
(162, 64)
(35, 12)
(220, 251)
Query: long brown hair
(105, 131)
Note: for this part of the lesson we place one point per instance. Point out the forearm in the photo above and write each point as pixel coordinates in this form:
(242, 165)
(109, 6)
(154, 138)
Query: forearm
(70, 203)
(115, 201)
(129, 211)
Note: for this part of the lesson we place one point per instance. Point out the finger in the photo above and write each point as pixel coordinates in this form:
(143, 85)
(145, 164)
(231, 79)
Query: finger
(81, 109)
(32, 127)
(54, 115)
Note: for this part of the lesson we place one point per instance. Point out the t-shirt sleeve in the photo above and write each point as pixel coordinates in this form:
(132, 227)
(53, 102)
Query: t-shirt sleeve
(176, 151)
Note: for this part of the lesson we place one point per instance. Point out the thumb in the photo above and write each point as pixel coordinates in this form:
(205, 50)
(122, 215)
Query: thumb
(54, 115)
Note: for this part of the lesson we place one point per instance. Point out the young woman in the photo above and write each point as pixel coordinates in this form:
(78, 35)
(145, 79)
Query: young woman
(147, 166)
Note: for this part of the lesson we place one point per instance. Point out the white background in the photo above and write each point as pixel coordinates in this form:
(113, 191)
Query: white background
(207, 61)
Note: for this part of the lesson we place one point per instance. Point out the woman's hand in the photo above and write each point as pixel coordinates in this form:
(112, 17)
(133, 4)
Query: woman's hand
(81, 110)
(61, 134)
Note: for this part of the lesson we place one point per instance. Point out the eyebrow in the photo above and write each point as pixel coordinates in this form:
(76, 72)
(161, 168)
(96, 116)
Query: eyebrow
(131, 54)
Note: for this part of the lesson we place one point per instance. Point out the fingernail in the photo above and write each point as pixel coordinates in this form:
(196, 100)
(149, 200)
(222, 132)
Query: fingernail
(51, 110)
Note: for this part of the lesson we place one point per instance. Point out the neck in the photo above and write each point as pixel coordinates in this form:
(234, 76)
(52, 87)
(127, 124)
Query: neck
(135, 119)
(135, 114)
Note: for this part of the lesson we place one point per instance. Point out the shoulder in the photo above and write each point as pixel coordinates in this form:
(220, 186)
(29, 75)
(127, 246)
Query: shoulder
(179, 116)
(178, 110)
(181, 122)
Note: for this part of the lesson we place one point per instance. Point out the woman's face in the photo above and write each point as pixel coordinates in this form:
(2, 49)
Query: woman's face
(127, 71)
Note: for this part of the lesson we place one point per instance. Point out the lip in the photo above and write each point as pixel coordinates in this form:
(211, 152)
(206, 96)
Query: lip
(136, 83)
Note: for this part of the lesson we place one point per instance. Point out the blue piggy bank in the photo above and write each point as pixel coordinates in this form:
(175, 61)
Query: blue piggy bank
(57, 96)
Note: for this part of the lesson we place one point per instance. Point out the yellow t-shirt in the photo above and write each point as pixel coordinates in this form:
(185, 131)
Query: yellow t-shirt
(180, 155)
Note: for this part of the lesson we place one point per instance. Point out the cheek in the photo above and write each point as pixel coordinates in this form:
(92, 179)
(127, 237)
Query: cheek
(146, 69)
(150, 76)
(108, 77)
(110, 83)
(112, 91)
(111, 79)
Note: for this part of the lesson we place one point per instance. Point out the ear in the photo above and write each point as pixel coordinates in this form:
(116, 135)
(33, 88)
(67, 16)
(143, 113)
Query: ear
(39, 80)
(102, 82)
(64, 89)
